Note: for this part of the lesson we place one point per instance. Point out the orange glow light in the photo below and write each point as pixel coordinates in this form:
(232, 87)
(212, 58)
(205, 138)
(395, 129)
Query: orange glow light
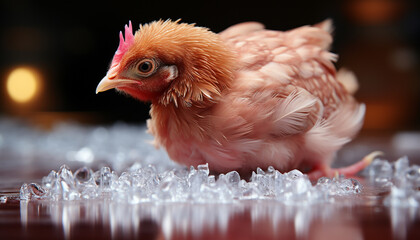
(23, 84)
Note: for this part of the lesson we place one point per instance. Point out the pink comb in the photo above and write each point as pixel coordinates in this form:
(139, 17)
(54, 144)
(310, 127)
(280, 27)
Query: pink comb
(124, 44)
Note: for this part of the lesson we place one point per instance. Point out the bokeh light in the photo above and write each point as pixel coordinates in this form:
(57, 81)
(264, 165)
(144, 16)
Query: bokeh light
(23, 84)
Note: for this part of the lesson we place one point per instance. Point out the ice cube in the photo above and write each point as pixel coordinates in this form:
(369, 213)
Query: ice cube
(401, 166)
(294, 174)
(357, 187)
(211, 179)
(48, 180)
(25, 193)
(204, 168)
(83, 175)
(89, 191)
(68, 192)
(339, 186)
(145, 180)
(271, 170)
(300, 185)
(412, 174)
(171, 188)
(250, 191)
(347, 186)
(104, 178)
(32, 190)
(260, 171)
(265, 182)
(66, 175)
(182, 173)
(123, 183)
(195, 180)
(85, 183)
(232, 178)
(380, 171)
(230, 182)
(324, 181)
(218, 192)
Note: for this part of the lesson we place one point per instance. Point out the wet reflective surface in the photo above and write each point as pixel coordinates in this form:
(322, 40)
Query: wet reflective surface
(366, 215)
(356, 217)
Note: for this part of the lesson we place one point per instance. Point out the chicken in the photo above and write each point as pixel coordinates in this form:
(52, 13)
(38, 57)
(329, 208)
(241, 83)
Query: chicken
(241, 99)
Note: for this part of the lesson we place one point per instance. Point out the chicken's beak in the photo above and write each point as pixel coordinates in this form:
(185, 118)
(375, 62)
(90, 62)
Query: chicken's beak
(106, 83)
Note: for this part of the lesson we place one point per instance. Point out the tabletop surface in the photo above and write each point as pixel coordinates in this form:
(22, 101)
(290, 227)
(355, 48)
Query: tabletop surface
(357, 216)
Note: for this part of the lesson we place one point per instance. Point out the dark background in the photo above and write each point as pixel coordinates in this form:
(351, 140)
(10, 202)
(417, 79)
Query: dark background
(71, 44)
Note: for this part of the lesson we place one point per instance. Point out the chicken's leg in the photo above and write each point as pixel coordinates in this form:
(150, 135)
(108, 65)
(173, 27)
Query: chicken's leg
(327, 171)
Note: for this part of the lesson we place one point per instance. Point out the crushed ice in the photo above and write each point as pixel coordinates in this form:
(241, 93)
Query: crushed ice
(146, 184)
(117, 146)
(148, 175)
(399, 178)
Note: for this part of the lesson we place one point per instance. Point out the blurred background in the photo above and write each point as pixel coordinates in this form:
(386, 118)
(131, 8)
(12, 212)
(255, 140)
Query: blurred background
(54, 55)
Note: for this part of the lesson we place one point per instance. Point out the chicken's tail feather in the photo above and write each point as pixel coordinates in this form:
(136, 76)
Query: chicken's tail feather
(348, 79)
(326, 25)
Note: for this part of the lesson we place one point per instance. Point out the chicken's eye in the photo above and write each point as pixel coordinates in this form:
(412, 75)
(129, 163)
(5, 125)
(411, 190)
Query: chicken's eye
(146, 67)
